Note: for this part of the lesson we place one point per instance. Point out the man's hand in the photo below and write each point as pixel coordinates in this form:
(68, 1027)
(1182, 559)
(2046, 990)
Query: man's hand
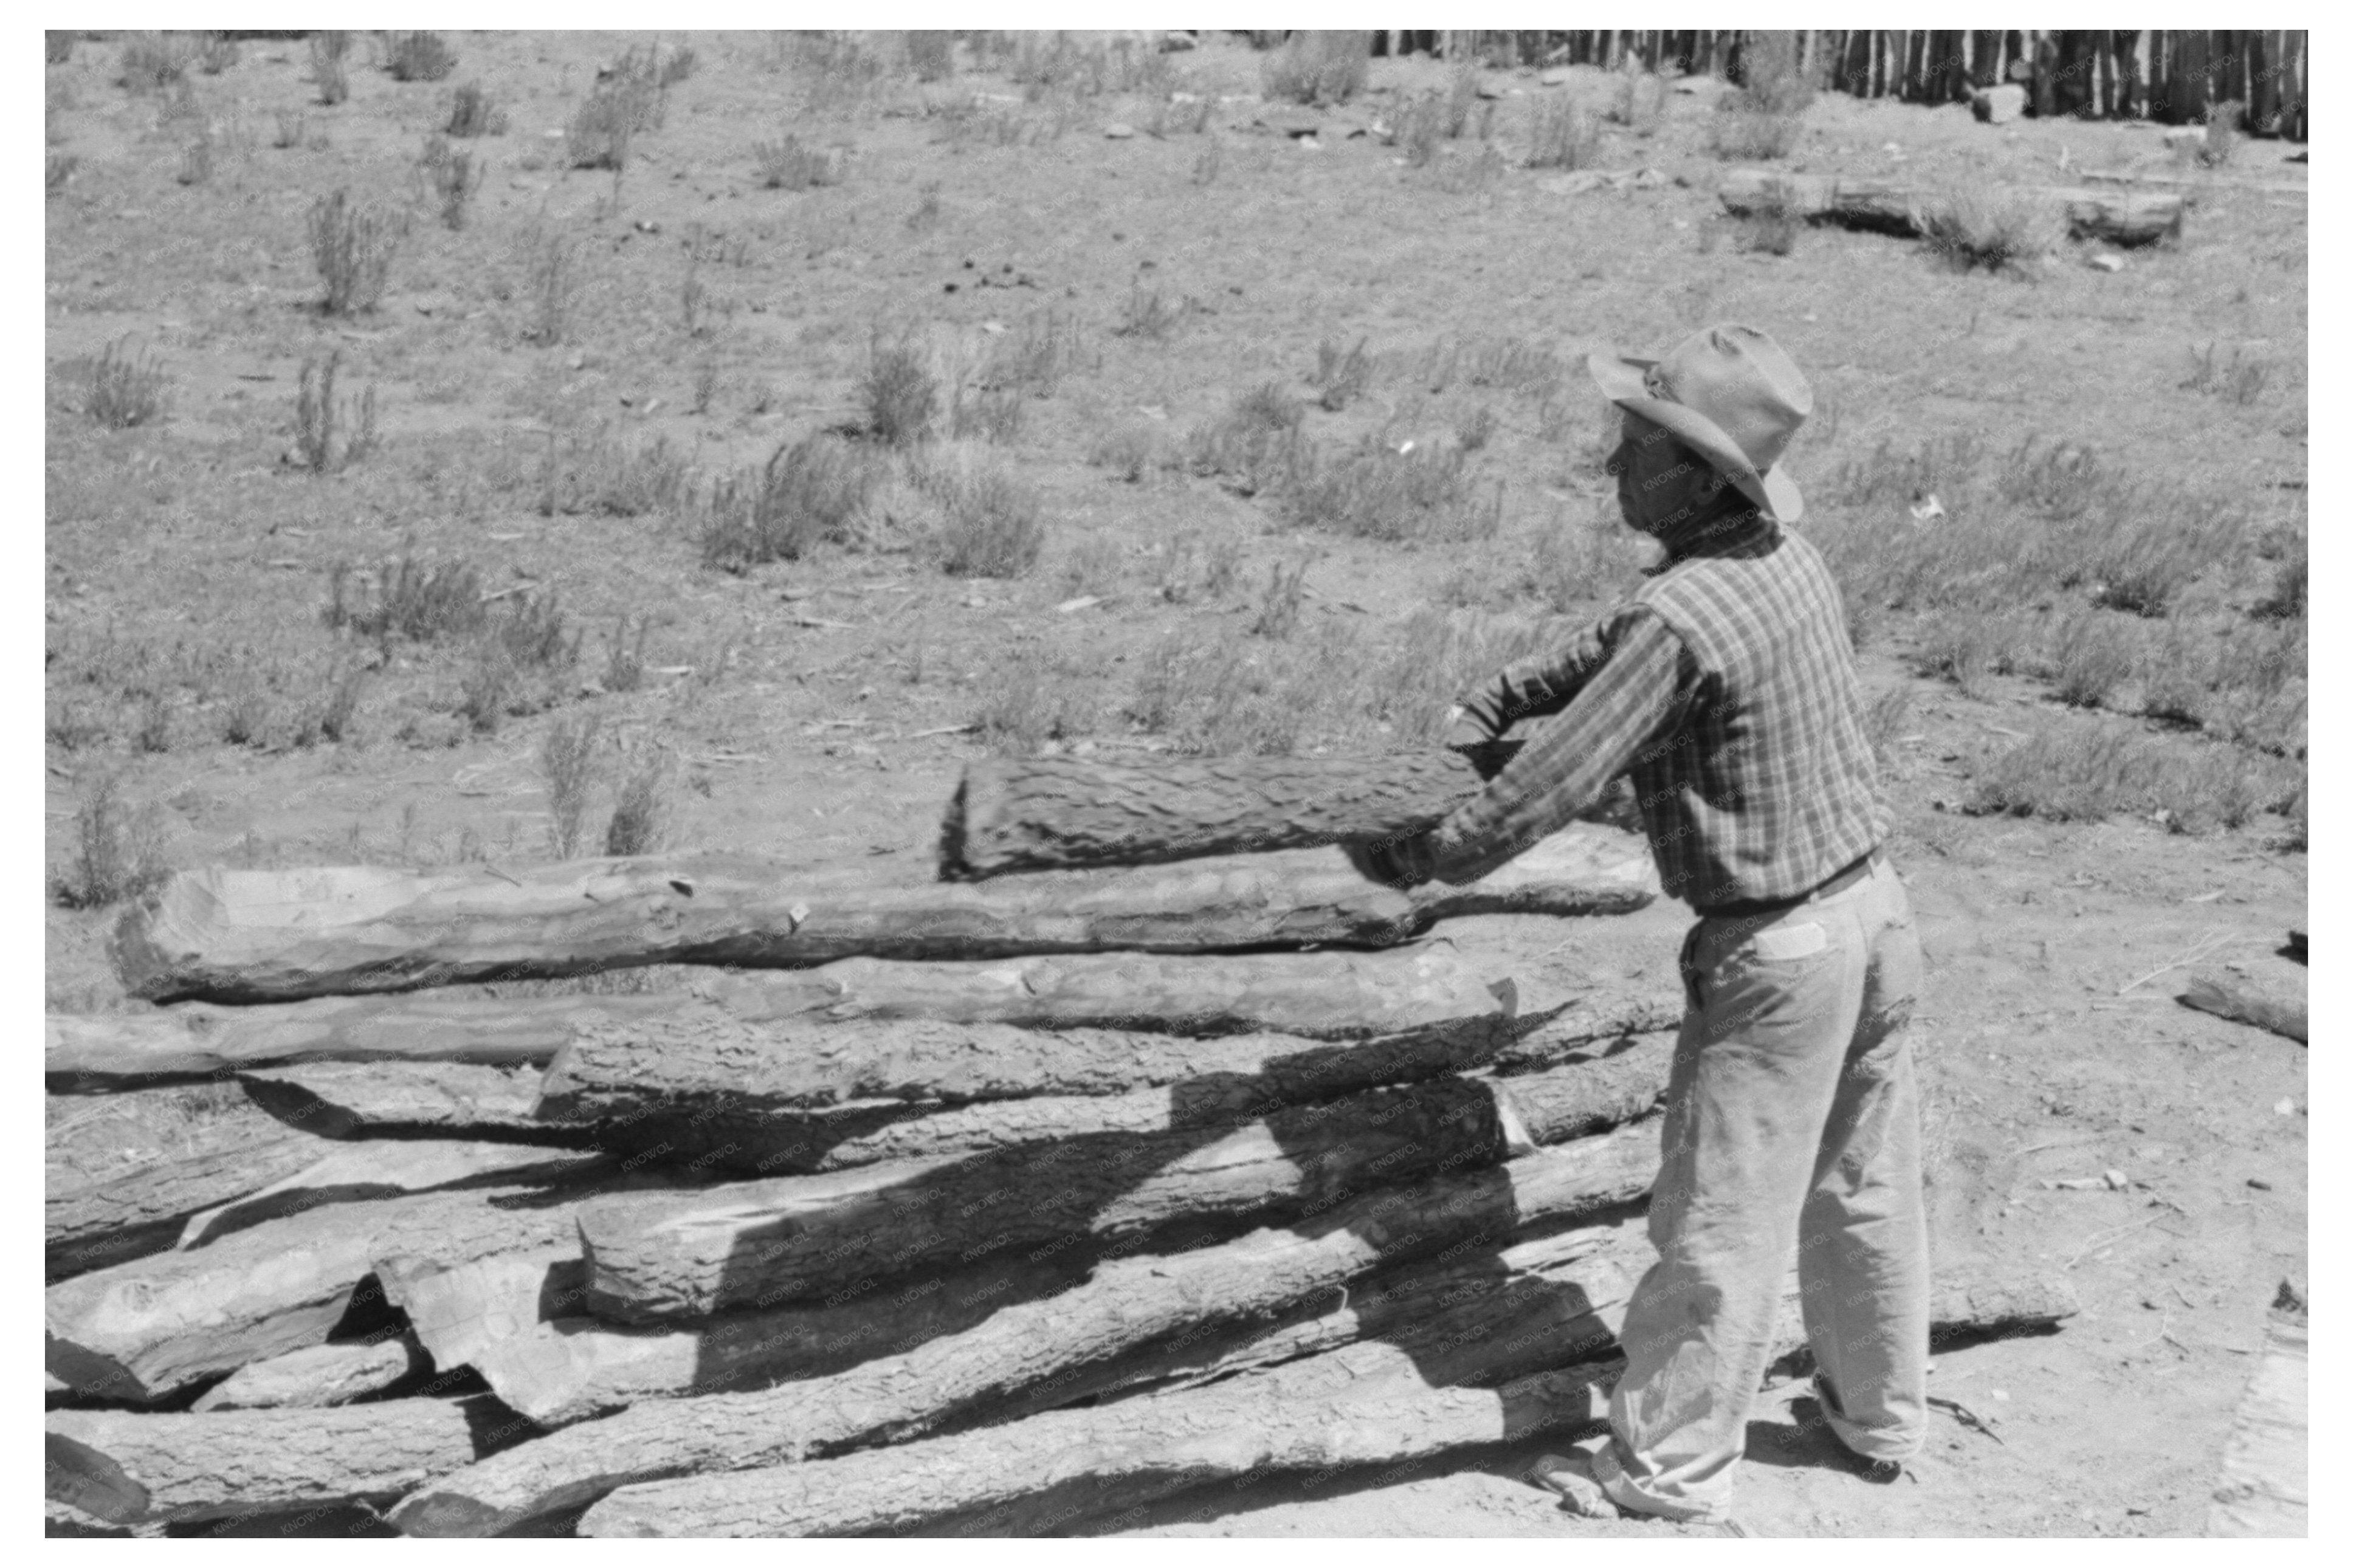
(1399, 863)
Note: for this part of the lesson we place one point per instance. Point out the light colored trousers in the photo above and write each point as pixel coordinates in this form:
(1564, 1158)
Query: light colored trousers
(1792, 1128)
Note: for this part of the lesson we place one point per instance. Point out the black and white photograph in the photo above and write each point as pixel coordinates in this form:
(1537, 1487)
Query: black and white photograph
(1164, 782)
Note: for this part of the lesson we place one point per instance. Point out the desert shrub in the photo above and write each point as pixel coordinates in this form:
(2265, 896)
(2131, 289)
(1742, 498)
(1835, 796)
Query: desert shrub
(2090, 657)
(330, 432)
(1042, 348)
(1317, 68)
(568, 759)
(1190, 566)
(2241, 378)
(984, 412)
(1130, 451)
(988, 523)
(551, 284)
(1180, 114)
(1147, 315)
(1569, 564)
(1277, 607)
(353, 245)
(787, 166)
(631, 97)
(217, 52)
(1961, 647)
(897, 393)
(1641, 103)
(1032, 702)
(1978, 227)
(125, 389)
(420, 57)
(1376, 491)
(1256, 445)
(327, 52)
(645, 805)
(119, 850)
(1770, 83)
(1747, 137)
(417, 600)
(2220, 142)
(1562, 135)
(196, 161)
(289, 130)
(455, 175)
(625, 657)
(2068, 773)
(1771, 225)
(1341, 377)
(2286, 599)
(813, 490)
(590, 473)
(932, 55)
(154, 62)
(473, 113)
(1884, 718)
(2151, 547)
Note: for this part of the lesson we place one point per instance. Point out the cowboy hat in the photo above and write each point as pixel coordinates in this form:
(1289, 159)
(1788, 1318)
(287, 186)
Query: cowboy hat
(1731, 396)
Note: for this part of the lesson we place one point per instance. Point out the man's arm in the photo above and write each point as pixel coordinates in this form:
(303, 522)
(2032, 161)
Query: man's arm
(1533, 687)
(1639, 690)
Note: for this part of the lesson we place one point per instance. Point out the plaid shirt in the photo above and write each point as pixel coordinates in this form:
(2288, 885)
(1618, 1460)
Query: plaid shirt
(1725, 685)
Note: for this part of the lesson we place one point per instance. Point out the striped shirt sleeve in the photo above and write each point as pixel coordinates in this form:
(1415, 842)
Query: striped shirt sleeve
(1637, 689)
(1536, 687)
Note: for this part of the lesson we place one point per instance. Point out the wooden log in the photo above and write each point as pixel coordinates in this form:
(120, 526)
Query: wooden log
(2266, 1487)
(142, 1330)
(1051, 813)
(798, 1237)
(140, 1469)
(517, 1319)
(2268, 993)
(1325, 995)
(272, 936)
(1127, 1302)
(2136, 218)
(124, 1179)
(403, 1099)
(1374, 1401)
(361, 1172)
(318, 1376)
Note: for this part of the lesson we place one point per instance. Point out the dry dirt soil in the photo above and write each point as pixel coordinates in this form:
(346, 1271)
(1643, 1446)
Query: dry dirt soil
(819, 709)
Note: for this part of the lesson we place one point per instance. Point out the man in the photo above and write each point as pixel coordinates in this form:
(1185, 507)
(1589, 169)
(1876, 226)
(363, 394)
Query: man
(1725, 687)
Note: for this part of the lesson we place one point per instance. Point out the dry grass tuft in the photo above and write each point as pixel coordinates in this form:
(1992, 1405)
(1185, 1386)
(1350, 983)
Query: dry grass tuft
(125, 389)
(1562, 135)
(787, 166)
(155, 62)
(420, 57)
(645, 809)
(987, 523)
(327, 51)
(120, 851)
(473, 113)
(354, 245)
(567, 757)
(1994, 229)
(812, 491)
(332, 433)
(1341, 377)
(1318, 68)
(899, 392)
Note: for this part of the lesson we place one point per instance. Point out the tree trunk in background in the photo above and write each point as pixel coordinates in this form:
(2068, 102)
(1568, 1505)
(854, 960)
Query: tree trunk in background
(2130, 105)
(2190, 90)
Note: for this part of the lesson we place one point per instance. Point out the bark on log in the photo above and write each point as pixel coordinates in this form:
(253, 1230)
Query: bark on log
(1325, 995)
(142, 1330)
(406, 1100)
(138, 1469)
(1044, 813)
(271, 936)
(757, 1244)
(2136, 218)
(1126, 1303)
(317, 1377)
(2266, 1489)
(1375, 1401)
(2267, 993)
(124, 1179)
(358, 1173)
(514, 1319)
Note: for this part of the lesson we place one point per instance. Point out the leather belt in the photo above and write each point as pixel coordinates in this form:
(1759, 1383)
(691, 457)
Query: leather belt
(1838, 881)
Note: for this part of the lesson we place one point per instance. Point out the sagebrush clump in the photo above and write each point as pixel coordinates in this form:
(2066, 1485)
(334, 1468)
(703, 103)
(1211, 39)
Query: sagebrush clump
(353, 244)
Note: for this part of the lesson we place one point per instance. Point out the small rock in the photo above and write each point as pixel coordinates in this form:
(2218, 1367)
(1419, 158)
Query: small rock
(1308, 144)
(2259, 1183)
(1553, 77)
(1118, 131)
(2105, 262)
(2117, 1180)
(2001, 1393)
(2284, 1108)
(1491, 88)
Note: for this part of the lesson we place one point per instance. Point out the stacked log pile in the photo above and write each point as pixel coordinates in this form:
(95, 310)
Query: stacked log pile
(1055, 1194)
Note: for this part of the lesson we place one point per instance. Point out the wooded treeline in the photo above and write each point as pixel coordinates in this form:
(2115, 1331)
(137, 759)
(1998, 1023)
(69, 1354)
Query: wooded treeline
(2147, 74)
